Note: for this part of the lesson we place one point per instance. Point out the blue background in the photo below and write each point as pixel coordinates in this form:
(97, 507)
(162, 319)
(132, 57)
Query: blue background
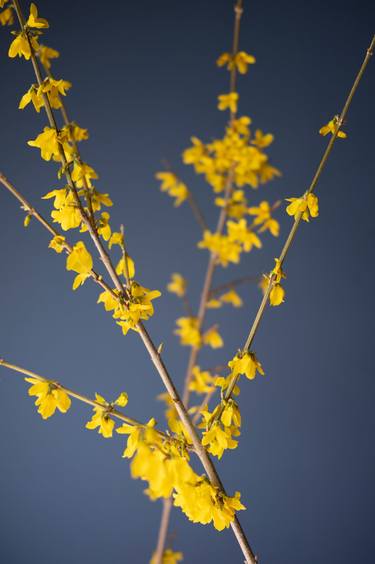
(144, 81)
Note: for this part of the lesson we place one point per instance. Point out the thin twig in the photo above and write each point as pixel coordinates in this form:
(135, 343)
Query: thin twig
(114, 412)
(163, 531)
(233, 283)
(297, 221)
(212, 261)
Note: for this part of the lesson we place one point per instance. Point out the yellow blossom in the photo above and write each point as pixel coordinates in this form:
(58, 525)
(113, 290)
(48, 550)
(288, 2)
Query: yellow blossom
(83, 174)
(225, 249)
(228, 101)
(214, 304)
(261, 140)
(101, 417)
(54, 89)
(79, 261)
(48, 143)
(263, 218)
(245, 363)
(213, 338)
(6, 17)
(231, 297)
(49, 397)
(236, 206)
(217, 439)
(307, 205)
(31, 96)
(171, 184)
(78, 133)
(45, 54)
(277, 295)
(239, 232)
(34, 21)
(169, 557)
(202, 381)
(21, 46)
(126, 266)
(188, 331)
(331, 127)
(177, 285)
(67, 212)
(241, 60)
(202, 503)
(139, 306)
(98, 200)
(109, 301)
(57, 243)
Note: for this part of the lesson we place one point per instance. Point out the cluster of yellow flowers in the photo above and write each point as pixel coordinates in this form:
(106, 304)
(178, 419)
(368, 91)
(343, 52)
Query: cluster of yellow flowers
(77, 204)
(165, 467)
(190, 334)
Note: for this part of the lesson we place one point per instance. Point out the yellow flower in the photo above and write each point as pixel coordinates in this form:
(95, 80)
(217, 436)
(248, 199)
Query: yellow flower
(261, 140)
(239, 232)
(79, 261)
(109, 301)
(21, 46)
(126, 266)
(263, 218)
(98, 200)
(331, 127)
(228, 101)
(241, 61)
(45, 54)
(67, 213)
(78, 133)
(202, 503)
(188, 331)
(277, 295)
(202, 381)
(306, 205)
(57, 243)
(33, 96)
(83, 173)
(6, 17)
(231, 297)
(213, 338)
(168, 557)
(34, 21)
(49, 397)
(48, 143)
(177, 285)
(236, 206)
(173, 186)
(139, 307)
(218, 439)
(214, 304)
(246, 364)
(225, 249)
(104, 229)
(101, 417)
(54, 89)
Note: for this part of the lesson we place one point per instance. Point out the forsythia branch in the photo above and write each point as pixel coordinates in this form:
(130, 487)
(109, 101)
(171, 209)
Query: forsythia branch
(297, 221)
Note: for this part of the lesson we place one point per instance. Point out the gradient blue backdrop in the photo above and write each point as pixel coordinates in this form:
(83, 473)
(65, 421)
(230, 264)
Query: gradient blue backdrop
(144, 81)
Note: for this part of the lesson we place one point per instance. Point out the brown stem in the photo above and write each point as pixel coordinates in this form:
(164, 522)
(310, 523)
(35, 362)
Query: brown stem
(84, 399)
(236, 282)
(163, 531)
